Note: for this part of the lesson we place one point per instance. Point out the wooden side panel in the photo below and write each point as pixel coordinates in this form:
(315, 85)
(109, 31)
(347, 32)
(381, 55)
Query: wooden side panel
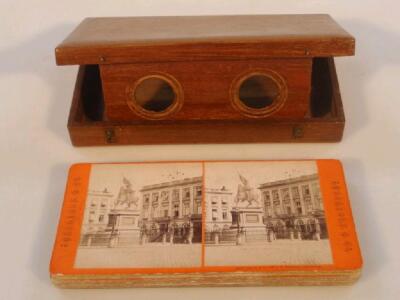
(206, 87)
(215, 133)
(86, 132)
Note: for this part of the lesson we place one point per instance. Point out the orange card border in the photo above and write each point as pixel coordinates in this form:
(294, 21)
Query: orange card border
(341, 229)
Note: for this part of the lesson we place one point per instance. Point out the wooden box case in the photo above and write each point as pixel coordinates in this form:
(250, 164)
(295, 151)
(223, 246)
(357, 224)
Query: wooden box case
(206, 79)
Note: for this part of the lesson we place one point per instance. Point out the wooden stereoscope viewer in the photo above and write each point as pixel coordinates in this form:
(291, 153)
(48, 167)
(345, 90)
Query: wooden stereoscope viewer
(206, 79)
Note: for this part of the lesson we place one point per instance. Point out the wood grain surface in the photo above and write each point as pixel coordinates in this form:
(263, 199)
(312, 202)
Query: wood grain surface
(150, 39)
(324, 121)
(208, 87)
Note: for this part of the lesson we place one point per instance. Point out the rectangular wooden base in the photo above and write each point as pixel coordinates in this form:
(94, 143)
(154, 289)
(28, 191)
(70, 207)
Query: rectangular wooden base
(324, 122)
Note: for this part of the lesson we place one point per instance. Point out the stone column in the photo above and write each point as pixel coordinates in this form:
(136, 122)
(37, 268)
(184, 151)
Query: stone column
(180, 202)
(311, 196)
(281, 205)
(271, 201)
(151, 207)
(171, 237)
(170, 208)
(292, 202)
(317, 230)
(314, 203)
(302, 203)
(190, 235)
(191, 200)
(216, 238)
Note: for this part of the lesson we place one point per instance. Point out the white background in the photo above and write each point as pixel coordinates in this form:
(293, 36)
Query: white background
(35, 151)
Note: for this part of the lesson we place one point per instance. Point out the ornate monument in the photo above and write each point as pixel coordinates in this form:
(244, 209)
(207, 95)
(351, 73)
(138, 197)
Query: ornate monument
(247, 214)
(123, 223)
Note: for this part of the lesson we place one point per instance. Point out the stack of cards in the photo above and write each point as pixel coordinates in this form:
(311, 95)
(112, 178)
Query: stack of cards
(206, 223)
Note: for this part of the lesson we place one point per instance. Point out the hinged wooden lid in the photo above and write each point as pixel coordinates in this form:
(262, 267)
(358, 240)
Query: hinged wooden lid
(150, 39)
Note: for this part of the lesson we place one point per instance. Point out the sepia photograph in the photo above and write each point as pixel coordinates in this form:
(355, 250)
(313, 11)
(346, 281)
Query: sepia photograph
(264, 213)
(142, 216)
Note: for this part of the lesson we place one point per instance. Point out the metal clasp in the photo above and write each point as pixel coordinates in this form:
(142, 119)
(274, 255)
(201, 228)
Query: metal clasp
(110, 135)
(297, 132)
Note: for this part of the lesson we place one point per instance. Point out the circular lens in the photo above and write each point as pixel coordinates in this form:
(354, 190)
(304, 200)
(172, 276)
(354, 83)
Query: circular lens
(154, 94)
(258, 94)
(258, 91)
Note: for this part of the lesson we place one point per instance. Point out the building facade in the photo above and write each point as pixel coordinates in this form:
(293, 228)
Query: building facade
(218, 217)
(96, 218)
(171, 211)
(293, 208)
(234, 218)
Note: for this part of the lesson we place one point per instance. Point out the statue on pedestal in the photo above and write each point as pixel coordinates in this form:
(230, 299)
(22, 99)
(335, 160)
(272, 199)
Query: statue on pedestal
(247, 214)
(126, 196)
(124, 218)
(246, 193)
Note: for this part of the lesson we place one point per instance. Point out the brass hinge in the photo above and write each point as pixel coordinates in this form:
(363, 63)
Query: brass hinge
(110, 136)
(298, 131)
